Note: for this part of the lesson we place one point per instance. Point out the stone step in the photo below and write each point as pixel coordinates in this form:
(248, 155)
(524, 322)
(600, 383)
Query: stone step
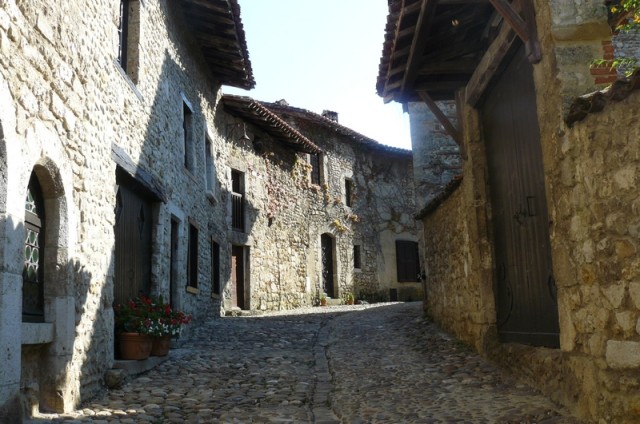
(334, 302)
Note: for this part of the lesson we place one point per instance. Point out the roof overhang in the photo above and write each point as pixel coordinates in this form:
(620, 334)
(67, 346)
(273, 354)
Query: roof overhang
(217, 28)
(438, 47)
(306, 119)
(259, 115)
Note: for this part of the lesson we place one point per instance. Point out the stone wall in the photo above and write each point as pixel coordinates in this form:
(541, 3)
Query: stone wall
(436, 158)
(290, 214)
(627, 45)
(66, 102)
(591, 175)
(70, 112)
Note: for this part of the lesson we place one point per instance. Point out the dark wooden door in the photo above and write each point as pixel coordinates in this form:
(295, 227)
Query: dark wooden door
(527, 310)
(173, 259)
(237, 277)
(326, 242)
(132, 245)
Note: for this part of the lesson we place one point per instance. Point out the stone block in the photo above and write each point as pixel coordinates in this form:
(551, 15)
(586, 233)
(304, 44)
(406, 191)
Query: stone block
(115, 378)
(614, 294)
(634, 292)
(37, 333)
(623, 354)
(626, 322)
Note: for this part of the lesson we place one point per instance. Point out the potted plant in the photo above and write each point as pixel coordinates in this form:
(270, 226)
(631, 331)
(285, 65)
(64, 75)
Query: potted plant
(145, 326)
(164, 324)
(133, 319)
(349, 299)
(323, 299)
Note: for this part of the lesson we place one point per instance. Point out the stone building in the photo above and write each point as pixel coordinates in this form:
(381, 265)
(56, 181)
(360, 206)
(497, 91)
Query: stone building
(124, 171)
(325, 214)
(109, 125)
(531, 250)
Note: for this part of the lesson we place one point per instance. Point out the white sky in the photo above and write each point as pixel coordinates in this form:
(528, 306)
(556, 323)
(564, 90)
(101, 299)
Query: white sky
(323, 54)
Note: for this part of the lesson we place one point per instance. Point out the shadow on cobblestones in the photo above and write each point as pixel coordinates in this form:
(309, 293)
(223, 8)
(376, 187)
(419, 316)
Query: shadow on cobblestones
(363, 364)
(393, 366)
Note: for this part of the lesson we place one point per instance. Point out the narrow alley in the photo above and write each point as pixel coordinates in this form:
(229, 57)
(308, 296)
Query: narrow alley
(350, 364)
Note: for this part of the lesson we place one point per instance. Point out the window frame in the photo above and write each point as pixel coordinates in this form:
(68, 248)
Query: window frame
(315, 175)
(357, 257)
(129, 32)
(238, 200)
(348, 192)
(215, 268)
(210, 173)
(193, 241)
(187, 135)
(34, 222)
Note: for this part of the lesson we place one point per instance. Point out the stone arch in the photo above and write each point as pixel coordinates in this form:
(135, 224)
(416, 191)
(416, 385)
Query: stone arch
(45, 359)
(56, 247)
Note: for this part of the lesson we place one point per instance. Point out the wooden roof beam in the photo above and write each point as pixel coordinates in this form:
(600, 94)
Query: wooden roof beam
(446, 123)
(526, 29)
(418, 43)
(489, 65)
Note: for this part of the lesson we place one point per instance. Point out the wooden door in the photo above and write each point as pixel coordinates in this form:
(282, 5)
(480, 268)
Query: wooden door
(132, 245)
(237, 277)
(173, 260)
(326, 242)
(527, 310)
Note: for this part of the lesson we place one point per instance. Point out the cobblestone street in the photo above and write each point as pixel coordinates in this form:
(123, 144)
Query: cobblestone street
(360, 364)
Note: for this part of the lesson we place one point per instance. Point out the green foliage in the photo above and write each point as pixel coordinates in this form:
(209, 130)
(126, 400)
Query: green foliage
(628, 64)
(626, 14)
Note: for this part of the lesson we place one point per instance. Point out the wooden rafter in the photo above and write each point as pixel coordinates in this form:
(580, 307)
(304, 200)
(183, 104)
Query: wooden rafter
(489, 65)
(418, 43)
(526, 30)
(446, 123)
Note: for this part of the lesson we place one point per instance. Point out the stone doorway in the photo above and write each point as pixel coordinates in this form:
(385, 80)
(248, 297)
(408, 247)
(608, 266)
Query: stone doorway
(328, 256)
(238, 277)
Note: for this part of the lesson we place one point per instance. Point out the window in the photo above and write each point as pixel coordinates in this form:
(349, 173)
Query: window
(192, 260)
(237, 200)
(129, 32)
(33, 270)
(407, 261)
(210, 172)
(187, 127)
(215, 268)
(315, 162)
(357, 264)
(348, 192)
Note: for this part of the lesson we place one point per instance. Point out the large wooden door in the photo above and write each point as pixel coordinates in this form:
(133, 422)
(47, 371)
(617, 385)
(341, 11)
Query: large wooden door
(326, 242)
(132, 245)
(238, 277)
(527, 310)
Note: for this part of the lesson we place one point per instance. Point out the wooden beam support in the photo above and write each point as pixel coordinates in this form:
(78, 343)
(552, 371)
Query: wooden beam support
(526, 30)
(446, 123)
(489, 64)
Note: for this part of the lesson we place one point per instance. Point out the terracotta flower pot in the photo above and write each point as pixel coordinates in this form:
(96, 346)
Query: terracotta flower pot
(134, 346)
(160, 346)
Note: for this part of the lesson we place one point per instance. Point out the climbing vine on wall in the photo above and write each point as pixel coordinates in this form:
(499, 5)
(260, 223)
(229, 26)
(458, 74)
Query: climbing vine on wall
(624, 15)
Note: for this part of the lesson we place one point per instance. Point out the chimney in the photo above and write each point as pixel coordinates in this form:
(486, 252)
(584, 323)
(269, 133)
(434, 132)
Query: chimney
(329, 114)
